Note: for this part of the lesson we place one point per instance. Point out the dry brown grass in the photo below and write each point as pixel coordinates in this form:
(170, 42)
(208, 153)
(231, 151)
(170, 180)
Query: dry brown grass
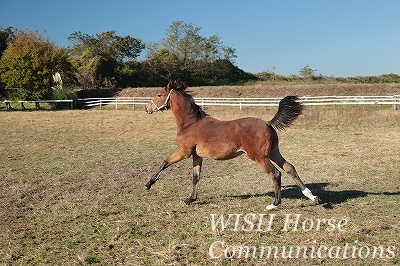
(259, 91)
(72, 188)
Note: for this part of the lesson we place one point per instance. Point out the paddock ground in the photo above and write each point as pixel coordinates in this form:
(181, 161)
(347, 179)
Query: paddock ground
(72, 189)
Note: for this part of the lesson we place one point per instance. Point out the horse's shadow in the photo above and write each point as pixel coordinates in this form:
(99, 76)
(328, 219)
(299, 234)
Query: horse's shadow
(326, 198)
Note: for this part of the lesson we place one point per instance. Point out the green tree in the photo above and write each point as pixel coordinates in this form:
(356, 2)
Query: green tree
(184, 41)
(100, 60)
(187, 55)
(307, 72)
(28, 63)
(5, 34)
(163, 64)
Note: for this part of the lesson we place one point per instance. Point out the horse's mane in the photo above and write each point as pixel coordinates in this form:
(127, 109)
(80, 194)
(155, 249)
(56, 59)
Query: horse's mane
(195, 109)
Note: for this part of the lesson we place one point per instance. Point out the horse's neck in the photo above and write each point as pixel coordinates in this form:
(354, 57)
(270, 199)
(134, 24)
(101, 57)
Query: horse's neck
(182, 113)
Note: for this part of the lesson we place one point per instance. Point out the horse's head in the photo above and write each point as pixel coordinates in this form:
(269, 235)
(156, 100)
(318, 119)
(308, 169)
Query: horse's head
(161, 101)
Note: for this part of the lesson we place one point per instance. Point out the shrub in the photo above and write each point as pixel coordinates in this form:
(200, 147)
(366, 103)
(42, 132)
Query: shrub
(64, 94)
(28, 63)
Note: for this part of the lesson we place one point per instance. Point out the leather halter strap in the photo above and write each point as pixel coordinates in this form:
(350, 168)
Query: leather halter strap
(164, 105)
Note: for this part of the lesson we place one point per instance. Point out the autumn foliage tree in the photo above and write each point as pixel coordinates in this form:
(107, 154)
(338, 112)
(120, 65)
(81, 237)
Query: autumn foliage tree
(28, 63)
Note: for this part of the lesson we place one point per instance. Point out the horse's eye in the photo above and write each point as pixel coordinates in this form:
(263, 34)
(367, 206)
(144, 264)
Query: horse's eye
(158, 95)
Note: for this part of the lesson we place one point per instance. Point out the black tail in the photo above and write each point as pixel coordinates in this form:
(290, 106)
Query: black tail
(289, 109)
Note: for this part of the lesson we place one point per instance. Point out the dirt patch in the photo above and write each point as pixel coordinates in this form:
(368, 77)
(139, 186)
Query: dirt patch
(265, 91)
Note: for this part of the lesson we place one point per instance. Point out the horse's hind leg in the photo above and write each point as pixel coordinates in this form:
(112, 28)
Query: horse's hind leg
(277, 158)
(271, 170)
(197, 163)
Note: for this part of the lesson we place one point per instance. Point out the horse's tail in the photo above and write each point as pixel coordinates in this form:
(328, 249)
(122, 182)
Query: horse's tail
(289, 109)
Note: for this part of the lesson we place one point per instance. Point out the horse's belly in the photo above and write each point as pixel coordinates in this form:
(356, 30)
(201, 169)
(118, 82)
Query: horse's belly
(217, 152)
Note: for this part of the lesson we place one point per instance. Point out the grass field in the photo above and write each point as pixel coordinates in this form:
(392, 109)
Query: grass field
(72, 192)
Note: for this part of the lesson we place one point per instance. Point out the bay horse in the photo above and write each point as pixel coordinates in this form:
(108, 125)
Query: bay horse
(200, 135)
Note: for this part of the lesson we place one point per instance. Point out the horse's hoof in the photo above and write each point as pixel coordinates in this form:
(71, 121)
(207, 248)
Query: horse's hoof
(271, 207)
(189, 201)
(316, 201)
(148, 186)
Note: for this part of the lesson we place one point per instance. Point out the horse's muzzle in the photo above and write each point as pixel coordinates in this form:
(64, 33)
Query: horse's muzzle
(149, 109)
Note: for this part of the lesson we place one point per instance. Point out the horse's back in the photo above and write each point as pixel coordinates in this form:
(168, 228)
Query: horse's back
(211, 127)
(219, 139)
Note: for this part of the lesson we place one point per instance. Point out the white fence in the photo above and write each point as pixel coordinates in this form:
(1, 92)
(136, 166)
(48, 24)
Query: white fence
(248, 102)
(37, 103)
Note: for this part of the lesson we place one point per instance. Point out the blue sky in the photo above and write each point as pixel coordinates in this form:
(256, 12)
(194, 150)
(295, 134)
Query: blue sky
(337, 38)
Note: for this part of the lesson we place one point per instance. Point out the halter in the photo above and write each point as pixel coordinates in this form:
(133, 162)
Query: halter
(164, 106)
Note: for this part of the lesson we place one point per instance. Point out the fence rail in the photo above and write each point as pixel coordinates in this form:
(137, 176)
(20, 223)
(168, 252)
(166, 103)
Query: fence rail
(248, 102)
(37, 103)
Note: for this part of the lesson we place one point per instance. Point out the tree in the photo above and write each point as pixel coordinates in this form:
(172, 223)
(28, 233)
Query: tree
(187, 55)
(184, 40)
(5, 34)
(28, 63)
(163, 64)
(307, 72)
(100, 59)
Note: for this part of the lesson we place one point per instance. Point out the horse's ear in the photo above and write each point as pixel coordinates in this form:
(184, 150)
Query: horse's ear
(176, 85)
(180, 85)
(169, 85)
(184, 85)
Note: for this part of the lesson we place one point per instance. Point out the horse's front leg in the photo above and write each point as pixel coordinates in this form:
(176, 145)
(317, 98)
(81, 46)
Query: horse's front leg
(197, 163)
(156, 176)
(177, 156)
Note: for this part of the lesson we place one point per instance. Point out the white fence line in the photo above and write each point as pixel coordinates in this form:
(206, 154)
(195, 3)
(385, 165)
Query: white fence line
(253, 102)
(37, 103)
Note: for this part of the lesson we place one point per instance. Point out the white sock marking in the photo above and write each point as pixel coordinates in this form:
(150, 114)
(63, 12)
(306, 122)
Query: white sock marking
(271, 207)
(309, 194)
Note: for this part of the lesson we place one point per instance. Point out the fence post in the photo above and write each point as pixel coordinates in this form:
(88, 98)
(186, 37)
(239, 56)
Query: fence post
(8, 105)
(334, 105)
(394, 102)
